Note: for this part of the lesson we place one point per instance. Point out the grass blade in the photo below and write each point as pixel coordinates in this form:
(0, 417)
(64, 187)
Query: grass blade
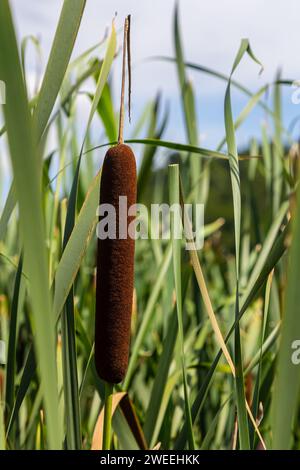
(60, 54)
(22, 148)
(174, 146)
(2, 428)
(11, 353)
(163, 371)
(188, 104)
(76, 247)
(147, 316)
(255, 402)
(236, 193)
(7, 211)
(287, 384)
(174, 191)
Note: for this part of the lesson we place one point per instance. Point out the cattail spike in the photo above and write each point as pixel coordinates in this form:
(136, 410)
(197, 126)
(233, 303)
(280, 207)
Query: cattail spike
(115, 270)
(115, 257)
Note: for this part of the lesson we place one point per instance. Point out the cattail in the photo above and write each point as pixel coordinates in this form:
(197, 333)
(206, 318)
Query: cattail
(115, 270)
(115, 260)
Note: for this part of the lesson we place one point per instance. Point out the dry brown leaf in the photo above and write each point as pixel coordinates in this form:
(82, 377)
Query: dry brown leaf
(98, 431)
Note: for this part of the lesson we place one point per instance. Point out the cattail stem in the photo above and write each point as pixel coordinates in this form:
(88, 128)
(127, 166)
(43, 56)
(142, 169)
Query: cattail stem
(107, 416)
(122, 108)
(115, 261)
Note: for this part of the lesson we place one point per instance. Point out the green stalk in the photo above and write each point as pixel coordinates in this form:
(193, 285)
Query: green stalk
(174, 196)
(107, 416)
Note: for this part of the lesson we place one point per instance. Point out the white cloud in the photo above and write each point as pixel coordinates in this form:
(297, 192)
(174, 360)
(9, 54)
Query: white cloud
(211, 30)
(211, 33)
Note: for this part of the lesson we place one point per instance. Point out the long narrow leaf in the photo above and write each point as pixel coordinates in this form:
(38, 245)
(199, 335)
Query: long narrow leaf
(60, 54)
(22, 149)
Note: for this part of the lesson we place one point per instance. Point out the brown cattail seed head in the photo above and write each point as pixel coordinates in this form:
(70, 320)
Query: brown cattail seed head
(115, 270)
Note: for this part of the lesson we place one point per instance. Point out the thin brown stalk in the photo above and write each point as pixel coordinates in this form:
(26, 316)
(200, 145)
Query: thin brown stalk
(122, 107)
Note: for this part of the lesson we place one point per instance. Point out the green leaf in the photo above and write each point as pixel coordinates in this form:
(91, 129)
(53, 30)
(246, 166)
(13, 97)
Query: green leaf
(180, 147)
(104, 72)
(255, 401)
(76, 247)
(22, 149)
(173, 146)
(150, 151)
(253, 101)
(36, 43)
(147, 316)
(278, 164)
(176, 235)
(275, 254)
(71, 389)
(187, 96)
(236, 194)
(160, 381)
(268, 243)
(11, 353)
(2, 428)
(60, 54)
(7, 211)
(71, 392)
(106, 112)
(65, 276)
(26, 378)
(189, 108)
(287, 383)
(212, 428)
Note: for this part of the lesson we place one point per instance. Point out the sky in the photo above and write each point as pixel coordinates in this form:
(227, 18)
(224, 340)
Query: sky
(211, 33)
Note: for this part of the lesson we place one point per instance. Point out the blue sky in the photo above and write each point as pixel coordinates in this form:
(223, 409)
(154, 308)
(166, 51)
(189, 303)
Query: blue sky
(211, 33)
